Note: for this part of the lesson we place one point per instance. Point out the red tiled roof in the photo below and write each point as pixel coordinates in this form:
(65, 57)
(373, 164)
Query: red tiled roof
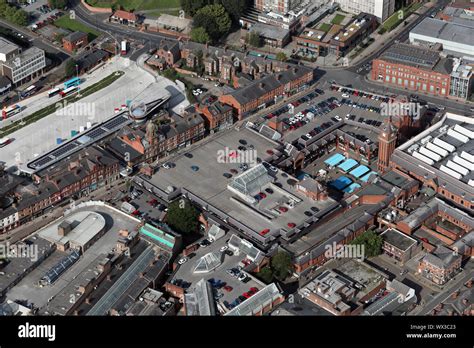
(129, 16)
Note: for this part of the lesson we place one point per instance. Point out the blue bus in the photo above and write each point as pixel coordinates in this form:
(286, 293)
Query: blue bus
(76, 81)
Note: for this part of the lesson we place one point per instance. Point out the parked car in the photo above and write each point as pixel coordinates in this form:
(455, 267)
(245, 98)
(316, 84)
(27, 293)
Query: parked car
(182, 260)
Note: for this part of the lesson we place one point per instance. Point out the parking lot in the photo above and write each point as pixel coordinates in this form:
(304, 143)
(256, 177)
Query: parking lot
(41, 14)
(319, 110)
(230, 287)
(206, 174)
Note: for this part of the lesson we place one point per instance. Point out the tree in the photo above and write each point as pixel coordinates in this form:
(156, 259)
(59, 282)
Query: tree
(200, 35)
(371, 242)
(214, 19)
(183, 217)
(59, 4)
(281, 57)
(235, 8)
(190, 7)
(253, 39)
(266, 274)
(70, 68)
(281, 265)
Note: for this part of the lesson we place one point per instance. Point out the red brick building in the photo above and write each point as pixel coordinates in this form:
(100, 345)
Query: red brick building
(74, 41)
(440, 266)
(413, 68)
(268, 90)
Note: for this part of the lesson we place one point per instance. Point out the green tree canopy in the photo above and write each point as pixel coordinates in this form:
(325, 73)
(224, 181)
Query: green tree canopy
(266, 274)
(235, 8)
(281, 57)
(70, 68)
(12, 14)
(192, 6)
(281, 265)
(371, 241)
(183, 217)
(214, 19)
(200, 35)
(253, 39)
(59, 4)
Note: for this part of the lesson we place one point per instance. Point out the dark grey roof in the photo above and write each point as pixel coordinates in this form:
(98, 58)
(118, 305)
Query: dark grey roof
(442, 257)
(90, 59)
(411, 55)
(269, 83)
(397, 239)
(75, 36)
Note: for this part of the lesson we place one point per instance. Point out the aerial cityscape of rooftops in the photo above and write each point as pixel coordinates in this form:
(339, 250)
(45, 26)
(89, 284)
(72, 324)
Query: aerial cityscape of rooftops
(247, 157)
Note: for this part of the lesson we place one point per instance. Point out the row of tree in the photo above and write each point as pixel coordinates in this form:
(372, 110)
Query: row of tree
(13, 14)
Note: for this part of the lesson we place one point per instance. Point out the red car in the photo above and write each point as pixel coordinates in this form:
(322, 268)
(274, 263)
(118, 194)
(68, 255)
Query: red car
(228, 288)
(153, 202)
(270, 152)
(136, 213)
(262, 195)
(425, 240)
(253, 290)
(283, 209)
(246, 295)
(264, 232)
(291, 224)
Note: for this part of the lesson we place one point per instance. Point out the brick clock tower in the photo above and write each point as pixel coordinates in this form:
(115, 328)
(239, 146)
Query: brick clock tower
(387, 143)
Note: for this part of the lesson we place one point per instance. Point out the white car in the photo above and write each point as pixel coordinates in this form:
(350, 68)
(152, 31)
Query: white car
(345, 95)
(199, 91)
(347, 116)
(273, 169)
(308, 136)
(337, 117)
(182, 260)
(224, 248)
(242, 276)
(166, 166)
(195, 93)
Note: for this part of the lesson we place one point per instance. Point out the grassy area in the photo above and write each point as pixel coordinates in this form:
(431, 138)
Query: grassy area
(138, 5)
(338, 19)
(66, 22)
(325, 27)
(394, 20)
(52, 108)
(173, 75)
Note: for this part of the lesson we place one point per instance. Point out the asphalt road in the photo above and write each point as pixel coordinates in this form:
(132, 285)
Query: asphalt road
(96, 21)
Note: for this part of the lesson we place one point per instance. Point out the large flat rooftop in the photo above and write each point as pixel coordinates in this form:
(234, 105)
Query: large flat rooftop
(209, 184)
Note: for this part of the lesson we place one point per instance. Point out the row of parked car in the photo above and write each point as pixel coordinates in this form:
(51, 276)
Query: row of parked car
(295, 104)
(346, 92)
(252, 291)
(47, 21)
(361, 106)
